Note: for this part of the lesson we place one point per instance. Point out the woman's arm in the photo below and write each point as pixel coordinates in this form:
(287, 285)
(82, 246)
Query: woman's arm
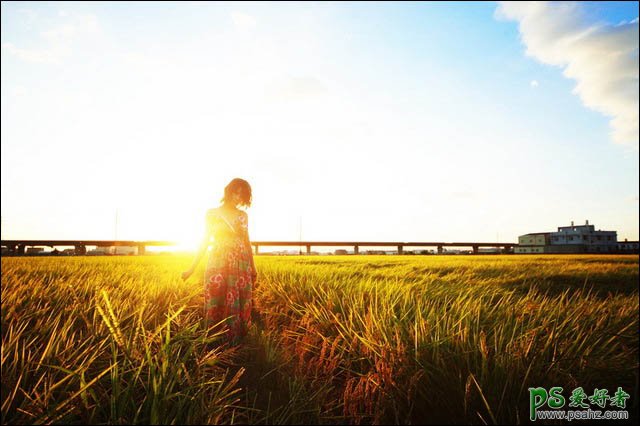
(201, 250)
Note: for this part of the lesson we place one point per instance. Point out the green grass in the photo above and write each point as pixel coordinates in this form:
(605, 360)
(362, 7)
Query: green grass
(339, 339)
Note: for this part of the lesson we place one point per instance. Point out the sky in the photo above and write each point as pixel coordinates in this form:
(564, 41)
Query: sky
(418, 121)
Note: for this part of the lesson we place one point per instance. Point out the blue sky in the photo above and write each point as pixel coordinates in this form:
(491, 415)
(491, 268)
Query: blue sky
(371, 121)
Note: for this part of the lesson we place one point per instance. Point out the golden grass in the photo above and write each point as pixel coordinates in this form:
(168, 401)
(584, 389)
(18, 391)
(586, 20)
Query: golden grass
(338, 339)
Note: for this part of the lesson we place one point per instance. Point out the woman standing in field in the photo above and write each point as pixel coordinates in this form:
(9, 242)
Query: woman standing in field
(230, 272)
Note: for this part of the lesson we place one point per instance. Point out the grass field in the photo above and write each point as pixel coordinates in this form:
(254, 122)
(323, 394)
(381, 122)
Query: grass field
(336, 339)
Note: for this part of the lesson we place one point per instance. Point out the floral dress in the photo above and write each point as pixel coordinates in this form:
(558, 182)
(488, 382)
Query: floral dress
(228, 275)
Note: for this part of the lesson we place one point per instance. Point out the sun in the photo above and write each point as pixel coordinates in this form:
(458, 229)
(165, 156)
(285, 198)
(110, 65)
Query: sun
(178, 228)
(187, 244)
(187, 236)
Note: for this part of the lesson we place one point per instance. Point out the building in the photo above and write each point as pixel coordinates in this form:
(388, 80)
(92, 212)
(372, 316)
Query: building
(115, 250)
(570, 239)
(533, 243)
(583, 239)
(628, 246)
(454, 251)
(489, 250)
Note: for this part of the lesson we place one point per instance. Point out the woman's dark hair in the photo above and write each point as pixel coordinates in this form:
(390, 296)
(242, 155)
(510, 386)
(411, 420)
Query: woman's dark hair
(241, 186)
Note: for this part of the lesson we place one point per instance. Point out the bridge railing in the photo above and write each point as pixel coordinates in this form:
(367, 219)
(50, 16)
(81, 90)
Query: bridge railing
(400, 245)
(19, 247)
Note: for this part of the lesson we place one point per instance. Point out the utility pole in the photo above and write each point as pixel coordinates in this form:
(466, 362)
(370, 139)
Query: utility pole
(300, 236)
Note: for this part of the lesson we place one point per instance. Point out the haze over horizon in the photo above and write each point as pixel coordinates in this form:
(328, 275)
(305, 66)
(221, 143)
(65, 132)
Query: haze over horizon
(362, 122)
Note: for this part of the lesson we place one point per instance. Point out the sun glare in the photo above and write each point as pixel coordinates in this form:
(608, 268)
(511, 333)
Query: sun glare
(187, 244)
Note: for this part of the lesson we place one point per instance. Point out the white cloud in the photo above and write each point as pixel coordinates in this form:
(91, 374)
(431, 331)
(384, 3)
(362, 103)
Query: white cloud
(50, 55)
(28, 17)
(59, 39)
(603, 59)
(19, 91)
(80, 25)
(243, 21)
(295, 88)
(534, 83)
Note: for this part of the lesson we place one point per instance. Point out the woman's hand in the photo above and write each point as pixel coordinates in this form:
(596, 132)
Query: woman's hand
(186, 274)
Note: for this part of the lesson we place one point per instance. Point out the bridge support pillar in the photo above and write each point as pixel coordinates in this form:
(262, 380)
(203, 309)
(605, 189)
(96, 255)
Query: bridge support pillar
(141, 249)
(399, 249)
(475, 249)
(356, 250)
(81, 250)
(439, 249)
(255, 249)
(308, 249)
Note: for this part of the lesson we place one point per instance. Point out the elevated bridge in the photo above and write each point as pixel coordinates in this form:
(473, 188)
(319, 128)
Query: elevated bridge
(19, 247)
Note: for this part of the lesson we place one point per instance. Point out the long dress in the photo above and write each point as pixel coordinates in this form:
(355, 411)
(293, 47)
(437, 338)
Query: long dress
(228, 275)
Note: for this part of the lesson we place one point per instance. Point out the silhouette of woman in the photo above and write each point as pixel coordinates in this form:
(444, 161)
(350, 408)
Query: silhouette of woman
(230, 272)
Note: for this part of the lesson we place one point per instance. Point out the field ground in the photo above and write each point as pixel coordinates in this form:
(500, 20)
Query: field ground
(339, 339)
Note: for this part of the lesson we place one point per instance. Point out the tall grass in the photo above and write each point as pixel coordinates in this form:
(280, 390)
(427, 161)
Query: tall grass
(340, 339)
(117, 340)
(456, 340)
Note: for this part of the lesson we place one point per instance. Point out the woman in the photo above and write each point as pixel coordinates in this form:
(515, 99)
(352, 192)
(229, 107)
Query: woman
(230, 272)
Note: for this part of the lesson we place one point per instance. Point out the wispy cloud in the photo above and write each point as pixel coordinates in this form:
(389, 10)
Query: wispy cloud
(243, 21)
(27, 17)
(463, 194)
(296, 88)
(602, 58)
(50, 55)
(59, 39)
